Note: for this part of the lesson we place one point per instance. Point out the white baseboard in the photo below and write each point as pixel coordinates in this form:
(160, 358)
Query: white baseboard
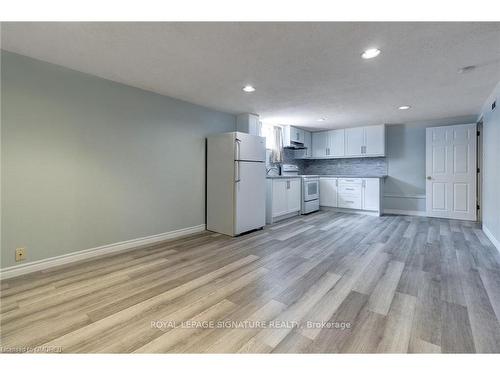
(491, 237)
(404, 212)
(21, 269)
(404, 196)
(349, 211)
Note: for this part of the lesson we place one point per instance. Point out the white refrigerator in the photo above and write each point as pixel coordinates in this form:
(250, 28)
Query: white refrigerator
(236, 183)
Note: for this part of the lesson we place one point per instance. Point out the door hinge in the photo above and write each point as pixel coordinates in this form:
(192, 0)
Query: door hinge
(478, 133)
(477, 206)
(478, 170)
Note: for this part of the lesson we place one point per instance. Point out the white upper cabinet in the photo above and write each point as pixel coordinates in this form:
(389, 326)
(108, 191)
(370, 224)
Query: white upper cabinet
(339, 143)
(249, 123)
(292, 135)
(319, 144)
(307, 144)
(365, 141)
(328, 143)
(336, 143)
(374, 140)
(296, 135)
(354, 141)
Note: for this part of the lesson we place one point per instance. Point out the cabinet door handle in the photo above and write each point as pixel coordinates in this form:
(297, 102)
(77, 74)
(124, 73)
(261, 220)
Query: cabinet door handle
(349, 189)
(349, 201)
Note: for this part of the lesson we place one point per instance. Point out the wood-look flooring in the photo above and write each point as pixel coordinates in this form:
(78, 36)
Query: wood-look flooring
(387, 284)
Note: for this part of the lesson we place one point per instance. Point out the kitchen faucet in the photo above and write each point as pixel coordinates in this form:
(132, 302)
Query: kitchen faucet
(270, 169)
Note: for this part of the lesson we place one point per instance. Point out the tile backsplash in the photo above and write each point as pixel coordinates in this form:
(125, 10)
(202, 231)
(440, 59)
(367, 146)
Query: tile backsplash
(348, 166)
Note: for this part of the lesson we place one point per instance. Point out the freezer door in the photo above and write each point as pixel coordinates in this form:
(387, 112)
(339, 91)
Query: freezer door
(250, 196)
(249, 147)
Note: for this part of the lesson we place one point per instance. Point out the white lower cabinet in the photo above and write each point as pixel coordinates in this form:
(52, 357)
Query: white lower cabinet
(283, 198)
(279, 197)
(351, 193)
(371, 194)
(293, 195)
(328, 191)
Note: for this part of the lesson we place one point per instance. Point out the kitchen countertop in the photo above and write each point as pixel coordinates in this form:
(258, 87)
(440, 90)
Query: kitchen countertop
(287, 177)
(329, 175)
(351, 176)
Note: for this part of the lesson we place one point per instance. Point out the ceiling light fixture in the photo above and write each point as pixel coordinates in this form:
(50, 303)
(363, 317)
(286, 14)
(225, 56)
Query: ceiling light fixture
(321, 119)
(248, 88)
(370, 53)
(403, 107)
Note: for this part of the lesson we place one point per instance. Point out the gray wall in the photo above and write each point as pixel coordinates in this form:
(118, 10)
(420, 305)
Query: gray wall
(88, 162)
(405, 186)
(491, 165)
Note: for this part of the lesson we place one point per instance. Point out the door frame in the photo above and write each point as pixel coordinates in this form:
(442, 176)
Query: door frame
(428, 161)
(479, 175)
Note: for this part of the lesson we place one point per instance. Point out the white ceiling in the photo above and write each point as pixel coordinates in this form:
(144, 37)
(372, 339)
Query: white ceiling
(302, 71)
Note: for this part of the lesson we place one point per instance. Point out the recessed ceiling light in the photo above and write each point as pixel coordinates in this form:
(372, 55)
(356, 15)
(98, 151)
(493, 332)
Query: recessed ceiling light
(322, 119)
(248, 88)
(405, 107)
(370, 53)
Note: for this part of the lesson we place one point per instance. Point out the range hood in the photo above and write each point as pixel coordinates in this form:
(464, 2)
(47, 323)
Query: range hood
(295, 146)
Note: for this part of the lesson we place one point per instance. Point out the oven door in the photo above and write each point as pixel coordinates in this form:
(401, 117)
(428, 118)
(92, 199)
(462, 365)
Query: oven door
(311, 189)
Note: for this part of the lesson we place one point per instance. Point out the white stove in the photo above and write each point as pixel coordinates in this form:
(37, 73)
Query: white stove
(310, 188)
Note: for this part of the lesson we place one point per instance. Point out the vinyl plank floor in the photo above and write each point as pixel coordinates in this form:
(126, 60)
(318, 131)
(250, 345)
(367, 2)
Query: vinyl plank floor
(328, 282)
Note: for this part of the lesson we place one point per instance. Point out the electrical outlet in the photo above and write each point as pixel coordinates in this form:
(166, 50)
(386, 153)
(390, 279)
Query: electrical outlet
(20, 254)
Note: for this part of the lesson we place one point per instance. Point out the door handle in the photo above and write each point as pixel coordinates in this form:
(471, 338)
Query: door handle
(429, 177)
(237, 171)
(238, 148)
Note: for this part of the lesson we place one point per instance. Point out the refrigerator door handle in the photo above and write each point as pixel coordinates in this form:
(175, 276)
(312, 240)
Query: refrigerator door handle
(237, 171)
(237, 145)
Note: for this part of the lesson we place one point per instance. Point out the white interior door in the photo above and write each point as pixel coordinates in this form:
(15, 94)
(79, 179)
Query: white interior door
(250, 210)
(451, 171)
